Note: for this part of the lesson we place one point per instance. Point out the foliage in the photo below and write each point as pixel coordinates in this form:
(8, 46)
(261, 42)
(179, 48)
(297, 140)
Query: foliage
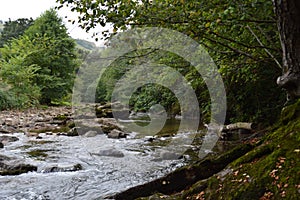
(56, 56)
(17, 74)
(241, 37)
(39, 66)
(13, 29)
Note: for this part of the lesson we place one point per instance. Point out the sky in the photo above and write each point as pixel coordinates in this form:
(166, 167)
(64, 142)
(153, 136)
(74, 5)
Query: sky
(15, 9)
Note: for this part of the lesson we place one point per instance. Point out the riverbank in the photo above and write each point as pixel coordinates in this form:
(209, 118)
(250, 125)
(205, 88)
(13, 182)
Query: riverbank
(265, 168)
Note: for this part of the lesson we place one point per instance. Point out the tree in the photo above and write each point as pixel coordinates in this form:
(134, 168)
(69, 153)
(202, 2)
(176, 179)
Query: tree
(45, 57)
(288, 13)
(56, 57)
(17, 78)
(13, 29)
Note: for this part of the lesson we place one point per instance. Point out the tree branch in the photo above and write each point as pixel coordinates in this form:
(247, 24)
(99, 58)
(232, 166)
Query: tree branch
(266, 50)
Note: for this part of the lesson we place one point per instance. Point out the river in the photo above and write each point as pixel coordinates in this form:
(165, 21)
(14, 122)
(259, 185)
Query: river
(101, 175)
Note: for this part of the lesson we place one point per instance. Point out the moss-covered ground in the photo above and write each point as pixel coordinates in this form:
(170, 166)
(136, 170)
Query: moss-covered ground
(269, 171)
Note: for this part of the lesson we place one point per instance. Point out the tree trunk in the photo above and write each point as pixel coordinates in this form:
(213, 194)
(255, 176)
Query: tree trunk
(288, 17)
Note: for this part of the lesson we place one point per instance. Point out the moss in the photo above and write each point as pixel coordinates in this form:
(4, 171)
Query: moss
(196, 188)
(291, 112)
(39, 153)
(257, 153)
(61, 117)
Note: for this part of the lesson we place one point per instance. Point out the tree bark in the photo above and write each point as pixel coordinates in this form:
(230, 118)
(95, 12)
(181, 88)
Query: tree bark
(288, 17)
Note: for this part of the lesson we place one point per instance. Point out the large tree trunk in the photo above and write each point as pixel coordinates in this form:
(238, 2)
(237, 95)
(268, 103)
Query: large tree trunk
(288, 15)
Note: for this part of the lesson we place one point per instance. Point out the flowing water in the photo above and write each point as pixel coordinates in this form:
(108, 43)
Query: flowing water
(101, 175)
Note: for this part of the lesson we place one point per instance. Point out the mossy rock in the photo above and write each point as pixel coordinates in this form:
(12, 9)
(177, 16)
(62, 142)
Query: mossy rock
(290, 112)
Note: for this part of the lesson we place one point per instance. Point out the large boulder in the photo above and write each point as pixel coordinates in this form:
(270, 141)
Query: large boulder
(85, 125)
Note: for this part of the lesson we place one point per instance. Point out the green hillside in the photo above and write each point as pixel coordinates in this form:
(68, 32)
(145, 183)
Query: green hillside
(84, 44)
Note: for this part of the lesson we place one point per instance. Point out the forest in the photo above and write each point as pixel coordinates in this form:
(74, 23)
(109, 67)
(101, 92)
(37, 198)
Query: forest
(254, 45)
(242, 39)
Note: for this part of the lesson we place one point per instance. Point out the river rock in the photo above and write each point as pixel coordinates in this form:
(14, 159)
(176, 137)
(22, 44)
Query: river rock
(167, 155)
(8, 166)
(116, 134)
(4, 130)
(1, 145)
(106, 113)
(8, 129)
(111, 153)
(4, 139)
(139, 116)
(11, 121)
(91, 134)
(71, 168)
(109, 124)
(32, 134)
(72, 132)
(85, 125)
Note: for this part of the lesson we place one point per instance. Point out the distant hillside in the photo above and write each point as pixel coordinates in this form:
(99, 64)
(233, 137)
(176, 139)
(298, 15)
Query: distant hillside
(87, 45)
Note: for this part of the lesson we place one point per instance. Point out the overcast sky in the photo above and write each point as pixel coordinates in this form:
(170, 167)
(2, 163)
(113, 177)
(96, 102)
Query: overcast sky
(15, 9)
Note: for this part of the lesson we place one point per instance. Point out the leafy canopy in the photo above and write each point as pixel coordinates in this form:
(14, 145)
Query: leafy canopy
(241, 37)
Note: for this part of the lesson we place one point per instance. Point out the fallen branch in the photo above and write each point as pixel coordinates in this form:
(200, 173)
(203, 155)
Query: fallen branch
(238, 125)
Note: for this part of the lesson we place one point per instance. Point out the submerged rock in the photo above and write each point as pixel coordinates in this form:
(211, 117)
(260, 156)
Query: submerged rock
(91, 134)
(111, 153)
(167, 155)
